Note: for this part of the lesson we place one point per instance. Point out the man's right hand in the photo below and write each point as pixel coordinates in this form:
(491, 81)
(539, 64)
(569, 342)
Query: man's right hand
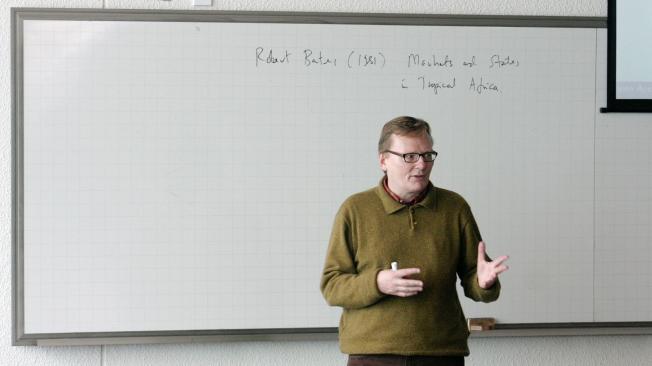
(398, 283)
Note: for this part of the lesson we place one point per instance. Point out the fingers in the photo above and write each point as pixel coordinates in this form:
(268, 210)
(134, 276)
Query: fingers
(498, 266)
(406, 288)
(398, 283)
(500, 259)
(405, 294)
(481, 252)
(409, 285)
(407, 272)
(488, 271)
(501, 269)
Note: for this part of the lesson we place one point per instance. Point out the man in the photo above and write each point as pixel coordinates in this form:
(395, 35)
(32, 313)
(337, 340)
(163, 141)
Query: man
(411, 315)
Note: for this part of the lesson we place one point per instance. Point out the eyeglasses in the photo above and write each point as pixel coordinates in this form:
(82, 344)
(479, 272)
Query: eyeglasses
(428, 156)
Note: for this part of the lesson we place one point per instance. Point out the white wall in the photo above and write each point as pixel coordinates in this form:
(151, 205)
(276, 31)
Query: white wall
(602, 350)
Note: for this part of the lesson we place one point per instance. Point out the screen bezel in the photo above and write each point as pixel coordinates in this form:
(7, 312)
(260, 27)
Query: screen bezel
(615, 104)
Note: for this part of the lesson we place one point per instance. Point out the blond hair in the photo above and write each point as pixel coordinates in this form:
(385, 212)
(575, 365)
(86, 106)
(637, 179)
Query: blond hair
(402, 126)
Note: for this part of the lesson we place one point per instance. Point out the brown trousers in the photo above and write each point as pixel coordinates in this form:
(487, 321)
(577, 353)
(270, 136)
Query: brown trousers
(396, 360)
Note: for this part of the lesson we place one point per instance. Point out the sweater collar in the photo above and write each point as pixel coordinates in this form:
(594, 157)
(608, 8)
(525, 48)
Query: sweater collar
(390, 205)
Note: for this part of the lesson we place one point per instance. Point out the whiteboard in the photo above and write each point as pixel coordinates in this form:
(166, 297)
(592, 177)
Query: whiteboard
(183, 175)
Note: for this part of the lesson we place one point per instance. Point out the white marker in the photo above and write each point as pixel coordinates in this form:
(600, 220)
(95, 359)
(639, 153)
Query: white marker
(394, 266)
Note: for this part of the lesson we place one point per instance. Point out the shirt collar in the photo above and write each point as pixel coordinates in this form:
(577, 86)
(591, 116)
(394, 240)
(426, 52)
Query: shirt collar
(391, 205)
(398, 199)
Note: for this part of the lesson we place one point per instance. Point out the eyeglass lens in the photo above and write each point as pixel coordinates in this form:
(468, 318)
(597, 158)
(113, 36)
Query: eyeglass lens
(414, 157)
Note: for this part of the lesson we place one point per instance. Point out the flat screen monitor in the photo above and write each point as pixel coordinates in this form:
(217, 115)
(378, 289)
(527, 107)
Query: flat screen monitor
(629, 74)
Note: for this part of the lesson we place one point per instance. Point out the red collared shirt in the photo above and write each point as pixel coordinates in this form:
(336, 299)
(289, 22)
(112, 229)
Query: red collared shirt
(398, 199)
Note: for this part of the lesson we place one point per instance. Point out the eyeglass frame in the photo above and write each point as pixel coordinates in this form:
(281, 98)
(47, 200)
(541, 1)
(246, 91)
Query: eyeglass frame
(419, 156)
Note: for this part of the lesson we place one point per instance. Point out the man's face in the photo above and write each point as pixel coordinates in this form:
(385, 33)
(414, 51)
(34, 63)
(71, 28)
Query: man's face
(407, 180)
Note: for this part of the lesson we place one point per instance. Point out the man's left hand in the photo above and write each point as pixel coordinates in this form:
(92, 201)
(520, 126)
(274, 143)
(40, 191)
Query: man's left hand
(488, 271)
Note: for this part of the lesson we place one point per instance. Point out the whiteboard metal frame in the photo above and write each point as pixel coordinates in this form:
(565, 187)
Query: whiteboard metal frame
(18, 15)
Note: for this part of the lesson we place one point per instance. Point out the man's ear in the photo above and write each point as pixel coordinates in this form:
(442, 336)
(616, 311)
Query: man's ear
(381, 161)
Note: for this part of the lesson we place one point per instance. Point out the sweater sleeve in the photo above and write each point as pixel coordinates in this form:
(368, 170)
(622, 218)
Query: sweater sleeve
(341, 283)
(469, 260)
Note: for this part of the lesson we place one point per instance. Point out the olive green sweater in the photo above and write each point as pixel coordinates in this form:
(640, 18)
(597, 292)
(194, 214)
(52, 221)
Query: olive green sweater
(438, 235)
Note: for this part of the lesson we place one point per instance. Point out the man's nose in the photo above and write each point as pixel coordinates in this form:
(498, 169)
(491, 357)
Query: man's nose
(421, 163)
